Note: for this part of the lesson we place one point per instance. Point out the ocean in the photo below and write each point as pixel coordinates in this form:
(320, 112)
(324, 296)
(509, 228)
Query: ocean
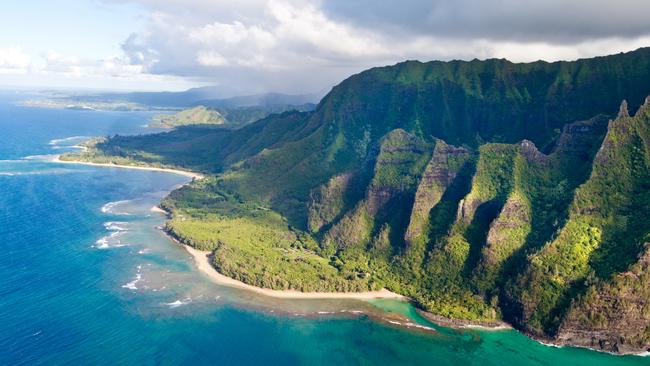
(88, 278)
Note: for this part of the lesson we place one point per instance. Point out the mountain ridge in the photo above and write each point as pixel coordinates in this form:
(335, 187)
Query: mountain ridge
(476, 188)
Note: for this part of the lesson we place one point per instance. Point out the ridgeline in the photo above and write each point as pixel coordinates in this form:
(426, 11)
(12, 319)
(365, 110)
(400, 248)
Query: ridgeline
(484, 190)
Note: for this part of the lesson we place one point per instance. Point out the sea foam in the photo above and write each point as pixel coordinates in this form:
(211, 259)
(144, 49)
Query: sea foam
(132, 285)
(113, 240)
(110, 241)
(55, 142)
(45, 157)
(116, 226)
(39, 172)
(109, 208)
(179, 302)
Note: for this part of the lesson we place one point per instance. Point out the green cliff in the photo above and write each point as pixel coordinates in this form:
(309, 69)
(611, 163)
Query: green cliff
(484, 190)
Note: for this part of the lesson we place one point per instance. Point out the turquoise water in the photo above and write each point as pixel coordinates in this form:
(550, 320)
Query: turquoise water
(87, 278)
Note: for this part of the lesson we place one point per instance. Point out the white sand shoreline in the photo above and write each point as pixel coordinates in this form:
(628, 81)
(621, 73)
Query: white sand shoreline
(107, 165)
(203, 264)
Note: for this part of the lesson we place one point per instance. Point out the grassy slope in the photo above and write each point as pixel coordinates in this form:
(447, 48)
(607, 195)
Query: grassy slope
(193, 116)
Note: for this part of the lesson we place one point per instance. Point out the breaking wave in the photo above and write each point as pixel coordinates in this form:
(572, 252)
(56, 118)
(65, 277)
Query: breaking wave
(138, 277)
(109, 208)
(179, 302)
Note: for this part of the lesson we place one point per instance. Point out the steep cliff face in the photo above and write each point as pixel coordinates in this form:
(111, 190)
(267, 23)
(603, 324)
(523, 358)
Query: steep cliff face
(456, 248)
(328, 202)
(468, 103)
(492, 100)
(382, 212)
(441, 171)
(490, 185)
(603, 233)
(516, 201)
(507, 234)
(614, 315)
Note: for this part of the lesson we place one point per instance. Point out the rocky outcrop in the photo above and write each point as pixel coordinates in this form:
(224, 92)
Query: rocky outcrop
(622, 111)
(439, 173)
(528, 150)
(327, 202)
(607, 218)
(580, 140)
(613, 316)
(507, 234)
(492, 181)
(398, 168)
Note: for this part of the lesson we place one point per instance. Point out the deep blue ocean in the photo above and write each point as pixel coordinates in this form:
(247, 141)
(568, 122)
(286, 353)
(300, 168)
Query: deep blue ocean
(87, 277)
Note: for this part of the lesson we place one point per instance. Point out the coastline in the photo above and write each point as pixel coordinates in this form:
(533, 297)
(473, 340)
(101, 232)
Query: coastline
(202, 261)
(203, 264)
(464, 324)
(186, 173)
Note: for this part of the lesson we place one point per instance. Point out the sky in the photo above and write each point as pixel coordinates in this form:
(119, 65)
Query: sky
(290, 46)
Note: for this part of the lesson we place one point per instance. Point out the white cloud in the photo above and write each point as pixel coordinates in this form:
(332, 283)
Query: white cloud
(308, 45)
(211, 58)
(279, 45)
(307, 26)
(14, 60)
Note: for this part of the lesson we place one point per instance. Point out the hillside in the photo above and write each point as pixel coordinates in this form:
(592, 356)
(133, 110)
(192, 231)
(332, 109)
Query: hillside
(193, 116)
(484, 190)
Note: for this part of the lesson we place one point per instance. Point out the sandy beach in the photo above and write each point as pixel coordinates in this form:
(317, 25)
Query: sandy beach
(202, 260)
(167, 170)
(203, 263)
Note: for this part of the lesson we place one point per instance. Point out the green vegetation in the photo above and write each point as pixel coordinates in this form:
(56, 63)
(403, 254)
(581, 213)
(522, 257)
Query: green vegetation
(607, 223)
(252, 243)
(193, 116)
(231, 117)
(427, 179)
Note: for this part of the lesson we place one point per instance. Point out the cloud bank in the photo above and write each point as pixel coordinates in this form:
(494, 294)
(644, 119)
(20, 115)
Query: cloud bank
(298, 46)
(301, 46)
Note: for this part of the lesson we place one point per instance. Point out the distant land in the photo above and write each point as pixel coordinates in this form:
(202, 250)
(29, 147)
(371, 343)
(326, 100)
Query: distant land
(67, 103)
(225, 116)
(191, 116)
(206, 96)
(485, 191)
(188, 107)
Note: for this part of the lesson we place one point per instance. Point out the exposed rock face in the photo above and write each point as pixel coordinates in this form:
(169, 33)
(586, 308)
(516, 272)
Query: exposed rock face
(398, 152)
(492, 181)
(440, 172)
(614, 313)
(580, 138)
(398, 167)
(622, 112)
(514, 214)
(327, 202)
(613, 316)
(507, 234)
(530, 152)
(598, 244)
